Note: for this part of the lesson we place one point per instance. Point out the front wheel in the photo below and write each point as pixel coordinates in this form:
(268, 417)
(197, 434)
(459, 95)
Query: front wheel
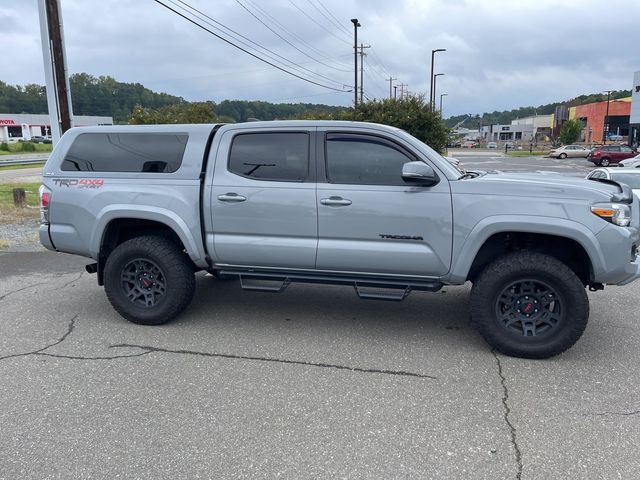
(562, 156)
(529, 305)
(605, 162)
(149, 280)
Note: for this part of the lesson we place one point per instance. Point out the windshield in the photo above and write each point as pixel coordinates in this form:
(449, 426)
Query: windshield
(631, 179)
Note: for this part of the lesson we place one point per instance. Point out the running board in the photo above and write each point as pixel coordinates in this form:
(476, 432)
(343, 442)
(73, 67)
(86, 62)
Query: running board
(251, 285)
(376, 295)
(366, 288)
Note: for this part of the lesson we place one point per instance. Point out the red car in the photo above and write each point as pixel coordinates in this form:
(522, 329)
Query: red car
(605, 155)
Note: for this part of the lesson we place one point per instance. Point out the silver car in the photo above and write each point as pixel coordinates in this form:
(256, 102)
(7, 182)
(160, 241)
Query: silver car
(573, 151)
(630, 176)
(631, 162)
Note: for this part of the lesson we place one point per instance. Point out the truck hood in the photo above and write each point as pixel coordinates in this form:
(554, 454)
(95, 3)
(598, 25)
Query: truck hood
(536, 184)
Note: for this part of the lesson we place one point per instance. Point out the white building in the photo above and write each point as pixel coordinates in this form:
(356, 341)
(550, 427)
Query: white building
(24, 126)
(520, 130)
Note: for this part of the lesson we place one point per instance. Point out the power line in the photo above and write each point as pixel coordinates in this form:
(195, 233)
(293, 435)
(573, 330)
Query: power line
(337, 21)
(293, 65)
(250, 53)
(284, 39)
(296, 37)
(318, 23)
(331, 21)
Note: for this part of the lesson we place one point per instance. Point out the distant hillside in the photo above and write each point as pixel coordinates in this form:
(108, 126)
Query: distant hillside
(92, 95)
(506, 116)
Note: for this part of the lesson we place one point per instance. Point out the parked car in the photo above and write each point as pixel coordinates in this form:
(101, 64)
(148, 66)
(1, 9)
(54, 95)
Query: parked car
(38, 139)
(509, 145)
(633, 162)
(469, 144)
(573, 151)
(630, 176)
(492, 145)
(605, 155)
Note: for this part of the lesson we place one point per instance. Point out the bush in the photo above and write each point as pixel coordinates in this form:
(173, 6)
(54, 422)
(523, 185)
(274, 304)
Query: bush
(27, 147)
(4, 146)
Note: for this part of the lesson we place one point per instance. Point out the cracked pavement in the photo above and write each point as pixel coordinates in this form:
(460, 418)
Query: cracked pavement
(311, 383)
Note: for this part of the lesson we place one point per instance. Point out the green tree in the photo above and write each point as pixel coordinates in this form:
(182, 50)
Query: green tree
(411, 114)
(570, 131)
(198, 112)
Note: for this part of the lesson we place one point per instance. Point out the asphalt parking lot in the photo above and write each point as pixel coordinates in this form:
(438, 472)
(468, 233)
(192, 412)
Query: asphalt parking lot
(311, 383)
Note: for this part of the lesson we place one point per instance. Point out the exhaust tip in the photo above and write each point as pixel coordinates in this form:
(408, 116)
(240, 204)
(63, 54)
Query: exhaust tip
(91, 268)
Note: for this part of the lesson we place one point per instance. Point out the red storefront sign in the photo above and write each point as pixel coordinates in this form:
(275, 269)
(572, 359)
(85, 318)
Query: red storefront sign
(7, 122)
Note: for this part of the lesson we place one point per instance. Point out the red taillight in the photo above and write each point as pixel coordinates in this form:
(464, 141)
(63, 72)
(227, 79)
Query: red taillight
(45, 200)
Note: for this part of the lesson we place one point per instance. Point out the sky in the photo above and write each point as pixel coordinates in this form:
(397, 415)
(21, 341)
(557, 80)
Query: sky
(499, 54)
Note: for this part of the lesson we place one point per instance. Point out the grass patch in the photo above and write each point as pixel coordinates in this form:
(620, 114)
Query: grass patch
(17, 147)
(9, 213)
(20, 167)
(4, 244)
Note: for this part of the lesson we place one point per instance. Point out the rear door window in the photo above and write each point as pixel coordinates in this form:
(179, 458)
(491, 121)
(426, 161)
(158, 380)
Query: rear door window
(275, 156)
(126, 152)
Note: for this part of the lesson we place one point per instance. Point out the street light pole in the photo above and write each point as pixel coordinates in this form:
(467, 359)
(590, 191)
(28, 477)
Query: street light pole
(432, 97)
(442, 95)
(434, 89)
(606, 120)
(356, 24)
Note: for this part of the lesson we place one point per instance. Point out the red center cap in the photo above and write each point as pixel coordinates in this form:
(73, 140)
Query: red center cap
(527, 307)
(145, 283)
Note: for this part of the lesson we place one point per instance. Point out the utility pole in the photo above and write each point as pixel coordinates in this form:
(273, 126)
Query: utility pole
(362, 55)
(356, 24)
(391, 79)
(402, 85)
(606, 120)
(55, 67)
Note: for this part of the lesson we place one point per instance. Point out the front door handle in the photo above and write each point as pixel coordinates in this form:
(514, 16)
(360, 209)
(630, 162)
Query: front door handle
(335, 201)
(231, 197)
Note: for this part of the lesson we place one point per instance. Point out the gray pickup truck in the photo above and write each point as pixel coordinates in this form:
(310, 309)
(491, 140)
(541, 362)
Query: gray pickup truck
(344, 203)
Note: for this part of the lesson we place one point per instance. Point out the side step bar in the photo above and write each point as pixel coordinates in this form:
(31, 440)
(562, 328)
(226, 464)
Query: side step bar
(366, 288)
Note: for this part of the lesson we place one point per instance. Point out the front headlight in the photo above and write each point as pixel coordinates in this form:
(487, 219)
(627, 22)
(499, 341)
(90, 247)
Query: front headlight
(616, 213)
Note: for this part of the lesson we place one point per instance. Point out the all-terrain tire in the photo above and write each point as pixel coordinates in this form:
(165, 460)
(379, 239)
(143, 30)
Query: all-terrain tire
(149, 280)
(529, 305)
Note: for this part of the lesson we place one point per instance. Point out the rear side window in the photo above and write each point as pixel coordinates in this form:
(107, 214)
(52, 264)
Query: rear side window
(271, 156)
(126, 152)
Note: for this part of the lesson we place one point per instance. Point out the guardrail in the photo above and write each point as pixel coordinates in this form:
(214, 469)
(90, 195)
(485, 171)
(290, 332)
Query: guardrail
(23, 162)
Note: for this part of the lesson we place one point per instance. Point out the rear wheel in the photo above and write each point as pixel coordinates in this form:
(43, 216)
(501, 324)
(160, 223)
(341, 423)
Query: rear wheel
(562, 156)
(605, 162)
(529, 305)
(149, 280)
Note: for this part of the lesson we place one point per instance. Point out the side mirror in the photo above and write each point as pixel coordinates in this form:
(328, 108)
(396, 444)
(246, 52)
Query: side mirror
(419, 173)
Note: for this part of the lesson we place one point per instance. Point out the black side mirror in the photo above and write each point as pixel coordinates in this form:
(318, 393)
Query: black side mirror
(419, 173)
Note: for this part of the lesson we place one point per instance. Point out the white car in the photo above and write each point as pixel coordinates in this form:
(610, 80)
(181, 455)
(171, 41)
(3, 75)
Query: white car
(575, 151)
(633, 162)
(630, 176)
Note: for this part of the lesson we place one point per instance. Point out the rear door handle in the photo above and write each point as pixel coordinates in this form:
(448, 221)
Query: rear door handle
(335, 201)
(231, 197)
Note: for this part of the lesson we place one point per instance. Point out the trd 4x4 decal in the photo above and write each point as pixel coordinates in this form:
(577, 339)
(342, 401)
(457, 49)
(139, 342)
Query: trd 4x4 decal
(78, 182)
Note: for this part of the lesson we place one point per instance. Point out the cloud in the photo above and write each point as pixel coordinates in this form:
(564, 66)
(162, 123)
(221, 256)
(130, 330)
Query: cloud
(499, 54)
